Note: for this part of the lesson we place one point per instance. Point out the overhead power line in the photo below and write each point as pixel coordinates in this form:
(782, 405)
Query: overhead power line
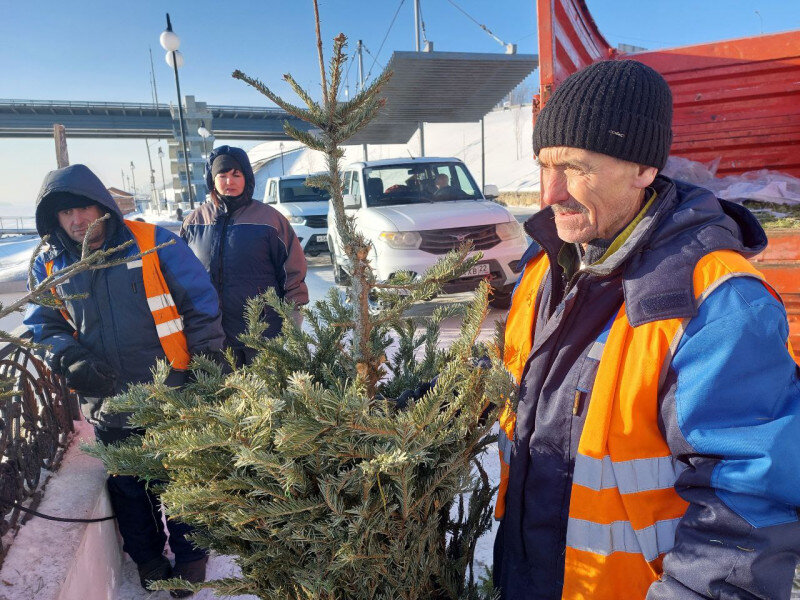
(375, 58)
(478, 23)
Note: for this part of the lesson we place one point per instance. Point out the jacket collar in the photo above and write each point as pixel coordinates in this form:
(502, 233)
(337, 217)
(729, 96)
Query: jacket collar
(658, 258)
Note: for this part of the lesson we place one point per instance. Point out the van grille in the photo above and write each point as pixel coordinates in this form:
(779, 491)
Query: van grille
(442, 241)
(317, 221)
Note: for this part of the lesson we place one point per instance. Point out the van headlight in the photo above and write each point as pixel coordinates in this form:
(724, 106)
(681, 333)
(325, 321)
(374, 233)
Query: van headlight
(401, 240)
(295, 220)
(509, 231)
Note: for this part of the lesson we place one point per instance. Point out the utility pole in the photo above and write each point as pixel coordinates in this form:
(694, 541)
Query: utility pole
(163, 181)
(483, 159)
(123, 179)
(421, 125)
(153, 193)
(416, 24)
(133, 178)
(60, 137)
(361, 85)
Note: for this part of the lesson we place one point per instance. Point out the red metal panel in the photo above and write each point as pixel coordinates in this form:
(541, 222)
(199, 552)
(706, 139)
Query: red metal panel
(568, 41)
(737, 100)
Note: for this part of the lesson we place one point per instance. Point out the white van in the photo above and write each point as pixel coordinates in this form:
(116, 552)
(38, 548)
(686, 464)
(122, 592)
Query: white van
(306, 208)
(414, 211)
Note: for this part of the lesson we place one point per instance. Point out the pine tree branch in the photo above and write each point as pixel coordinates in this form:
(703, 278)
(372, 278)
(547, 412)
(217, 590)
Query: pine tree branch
(295, 111)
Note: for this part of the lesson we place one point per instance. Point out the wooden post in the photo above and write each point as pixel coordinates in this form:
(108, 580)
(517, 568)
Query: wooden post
(60, 136)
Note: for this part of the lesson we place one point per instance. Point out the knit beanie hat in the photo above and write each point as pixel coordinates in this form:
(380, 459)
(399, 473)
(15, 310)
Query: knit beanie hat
(224, 163)
(621, 108)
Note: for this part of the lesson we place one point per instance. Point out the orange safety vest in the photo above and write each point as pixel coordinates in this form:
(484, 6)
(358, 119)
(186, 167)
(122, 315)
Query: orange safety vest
(168, 322)
(624, 509)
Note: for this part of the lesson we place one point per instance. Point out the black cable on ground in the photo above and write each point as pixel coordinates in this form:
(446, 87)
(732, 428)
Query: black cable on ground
(51, 517)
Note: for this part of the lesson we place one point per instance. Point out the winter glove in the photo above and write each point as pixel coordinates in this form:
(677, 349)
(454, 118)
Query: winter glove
(85, 374)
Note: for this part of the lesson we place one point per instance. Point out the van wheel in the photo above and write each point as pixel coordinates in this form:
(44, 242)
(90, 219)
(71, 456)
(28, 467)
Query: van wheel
(501, 297)
(340, 276)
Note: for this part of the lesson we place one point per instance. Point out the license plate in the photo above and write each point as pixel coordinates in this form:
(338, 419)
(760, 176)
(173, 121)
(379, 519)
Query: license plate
(320, 239)
(477, 270)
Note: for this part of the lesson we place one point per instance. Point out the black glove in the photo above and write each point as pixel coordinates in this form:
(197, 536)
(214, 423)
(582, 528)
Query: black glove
(85, 374)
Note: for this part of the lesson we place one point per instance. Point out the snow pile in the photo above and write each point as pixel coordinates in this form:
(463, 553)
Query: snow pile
(15, 252)
(762, 186)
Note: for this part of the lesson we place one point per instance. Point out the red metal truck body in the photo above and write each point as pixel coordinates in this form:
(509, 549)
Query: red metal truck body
(738, 100)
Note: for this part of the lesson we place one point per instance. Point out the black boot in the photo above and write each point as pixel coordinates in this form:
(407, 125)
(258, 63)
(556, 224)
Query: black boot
(154, 570)
(193, 572)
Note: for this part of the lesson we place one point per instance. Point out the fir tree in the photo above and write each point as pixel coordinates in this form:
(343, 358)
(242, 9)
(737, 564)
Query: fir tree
(303, 465)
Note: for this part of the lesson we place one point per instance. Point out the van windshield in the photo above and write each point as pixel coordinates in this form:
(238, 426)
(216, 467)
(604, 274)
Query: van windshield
(421, 182)
(296, 190)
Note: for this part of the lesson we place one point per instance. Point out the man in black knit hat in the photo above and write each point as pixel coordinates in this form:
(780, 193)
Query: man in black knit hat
(656, 440)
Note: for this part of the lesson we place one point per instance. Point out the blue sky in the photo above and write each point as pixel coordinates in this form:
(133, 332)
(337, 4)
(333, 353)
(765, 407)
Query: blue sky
(98, 50)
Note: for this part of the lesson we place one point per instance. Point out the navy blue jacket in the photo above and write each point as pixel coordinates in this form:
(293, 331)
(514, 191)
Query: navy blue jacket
(246, 252)
(114, 321)
(729, 408)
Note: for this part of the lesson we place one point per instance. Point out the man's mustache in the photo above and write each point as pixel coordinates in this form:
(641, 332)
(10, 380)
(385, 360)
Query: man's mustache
(571, 206)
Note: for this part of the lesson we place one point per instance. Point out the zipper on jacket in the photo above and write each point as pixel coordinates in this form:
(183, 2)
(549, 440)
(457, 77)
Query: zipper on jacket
(223, 237)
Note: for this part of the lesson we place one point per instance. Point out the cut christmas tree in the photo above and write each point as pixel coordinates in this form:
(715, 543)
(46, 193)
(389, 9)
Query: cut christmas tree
(342, 463)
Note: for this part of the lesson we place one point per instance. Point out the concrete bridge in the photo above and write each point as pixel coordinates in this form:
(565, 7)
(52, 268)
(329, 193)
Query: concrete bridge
(35, 118)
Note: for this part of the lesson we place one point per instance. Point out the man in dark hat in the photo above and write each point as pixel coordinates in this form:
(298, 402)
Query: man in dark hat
(114, 324)
(655, 446)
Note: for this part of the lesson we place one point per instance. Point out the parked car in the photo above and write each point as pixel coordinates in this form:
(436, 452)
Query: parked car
(415, 210)
(305, 207)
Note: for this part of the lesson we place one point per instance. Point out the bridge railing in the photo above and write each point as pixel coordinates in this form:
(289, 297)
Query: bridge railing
(146, 106)
(36, 414)
(17, 224)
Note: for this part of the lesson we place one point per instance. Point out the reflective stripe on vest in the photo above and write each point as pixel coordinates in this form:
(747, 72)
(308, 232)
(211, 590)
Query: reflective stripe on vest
(624, 509)
(48, 267)
(169, 323)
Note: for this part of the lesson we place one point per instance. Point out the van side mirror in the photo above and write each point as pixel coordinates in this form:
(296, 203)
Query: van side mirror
(490, 191)
(351, 201)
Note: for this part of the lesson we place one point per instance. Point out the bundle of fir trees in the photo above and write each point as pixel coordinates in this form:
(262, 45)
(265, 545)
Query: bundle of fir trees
(304, 465)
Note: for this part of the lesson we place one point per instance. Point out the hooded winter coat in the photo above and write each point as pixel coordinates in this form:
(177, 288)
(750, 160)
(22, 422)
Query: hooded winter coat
(114, 322)
(729, 407)
(248, 248)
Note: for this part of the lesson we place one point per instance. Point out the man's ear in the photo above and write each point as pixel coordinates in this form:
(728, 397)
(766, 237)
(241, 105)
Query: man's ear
(644, 176)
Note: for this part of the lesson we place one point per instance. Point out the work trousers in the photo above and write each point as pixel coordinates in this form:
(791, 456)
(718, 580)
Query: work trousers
(138, 512)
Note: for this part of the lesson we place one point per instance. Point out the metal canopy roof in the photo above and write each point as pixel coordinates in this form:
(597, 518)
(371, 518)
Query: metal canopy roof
(442, 87)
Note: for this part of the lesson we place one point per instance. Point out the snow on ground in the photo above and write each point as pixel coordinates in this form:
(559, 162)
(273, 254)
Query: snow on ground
(15, 252)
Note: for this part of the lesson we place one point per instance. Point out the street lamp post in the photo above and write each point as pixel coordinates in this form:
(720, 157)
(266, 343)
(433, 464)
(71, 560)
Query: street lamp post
(171, 42)
(163, 181)
(205, 134)
(280, 145)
